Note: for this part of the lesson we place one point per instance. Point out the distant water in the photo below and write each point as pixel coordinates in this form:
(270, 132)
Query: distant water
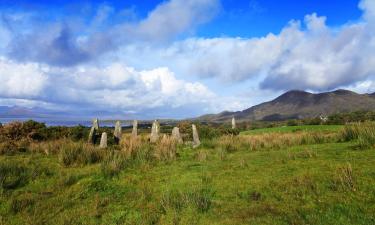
(62, 122)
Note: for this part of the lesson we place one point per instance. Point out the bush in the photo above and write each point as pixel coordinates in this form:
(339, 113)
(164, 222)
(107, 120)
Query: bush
(79, 133)
(292, 123)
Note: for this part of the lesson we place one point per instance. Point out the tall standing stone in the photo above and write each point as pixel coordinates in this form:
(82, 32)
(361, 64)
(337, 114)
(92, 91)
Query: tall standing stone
(118, 132)
(196, 141)
(93, 131)
(155, 131)
(135, 128)
(103, 140)
(176, 135)
(233, 123)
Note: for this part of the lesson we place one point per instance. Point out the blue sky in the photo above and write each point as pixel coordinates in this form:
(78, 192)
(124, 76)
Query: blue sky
(180, 58)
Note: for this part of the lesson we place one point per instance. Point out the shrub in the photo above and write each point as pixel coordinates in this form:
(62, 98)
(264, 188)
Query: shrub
(292, 123)
(185, 130)
(79, 133)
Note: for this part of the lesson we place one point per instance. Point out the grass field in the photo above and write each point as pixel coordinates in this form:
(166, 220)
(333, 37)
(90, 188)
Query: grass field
(229, 180)
(286, 129)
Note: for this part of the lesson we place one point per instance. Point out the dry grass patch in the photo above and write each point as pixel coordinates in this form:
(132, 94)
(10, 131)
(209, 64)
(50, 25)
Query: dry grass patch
(166, 149)
(271, 141)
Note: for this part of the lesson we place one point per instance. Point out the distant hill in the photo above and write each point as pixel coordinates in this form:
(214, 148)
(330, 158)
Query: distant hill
(300, 104)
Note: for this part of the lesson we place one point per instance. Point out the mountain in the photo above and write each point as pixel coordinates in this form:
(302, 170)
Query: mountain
(300, 104)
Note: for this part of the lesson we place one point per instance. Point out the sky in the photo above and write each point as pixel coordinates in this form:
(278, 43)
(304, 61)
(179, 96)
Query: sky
(180, 58)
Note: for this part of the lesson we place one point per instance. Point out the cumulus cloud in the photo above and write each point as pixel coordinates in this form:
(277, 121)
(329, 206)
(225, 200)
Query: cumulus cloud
(21, 80)
(61, 64)
(304, 55)
(112, 87)
(173, 18)
(64, 43)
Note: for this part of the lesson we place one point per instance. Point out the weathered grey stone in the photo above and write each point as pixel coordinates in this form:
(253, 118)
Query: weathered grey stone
(95, 123)
(155, 131)
(135, 128)
(103, 140)
(176, 135)
(93, 131)
(196, 141)
(118, 132)
(233, 123)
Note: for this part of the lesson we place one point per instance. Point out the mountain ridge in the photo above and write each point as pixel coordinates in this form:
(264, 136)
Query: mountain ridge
(299, 104)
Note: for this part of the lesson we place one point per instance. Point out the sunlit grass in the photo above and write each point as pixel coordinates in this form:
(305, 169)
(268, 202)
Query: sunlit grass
(301, 177)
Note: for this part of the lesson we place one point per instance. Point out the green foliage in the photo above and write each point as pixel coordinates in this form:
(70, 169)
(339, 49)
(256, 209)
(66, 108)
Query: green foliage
(343, 118)
(78, 133)
(292, 123)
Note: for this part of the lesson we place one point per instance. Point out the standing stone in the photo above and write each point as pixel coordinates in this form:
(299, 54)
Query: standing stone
(93, 131)
(118, 132)
(155, 130)
(103, 140)
(95, 123)
(135, 128)
(176, 135)
(233, 123)
(196, 141)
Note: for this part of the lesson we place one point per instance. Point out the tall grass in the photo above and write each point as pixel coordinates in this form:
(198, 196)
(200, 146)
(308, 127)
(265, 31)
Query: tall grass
(78, 153)
(139, 148)
(268, 141)
(363, 133)
(198, 198)
(13, 175)
(113, 164)
(166, 149)
(136, 148)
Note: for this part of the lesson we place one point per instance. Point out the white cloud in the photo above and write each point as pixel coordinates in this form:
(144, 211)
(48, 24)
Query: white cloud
(309, 56)
(68, 42)
(21, 80)
(174, 17)
(113, 87)
(304, 55)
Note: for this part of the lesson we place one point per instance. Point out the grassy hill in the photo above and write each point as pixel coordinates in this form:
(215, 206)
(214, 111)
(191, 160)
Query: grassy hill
(288, 175)
(300, 104)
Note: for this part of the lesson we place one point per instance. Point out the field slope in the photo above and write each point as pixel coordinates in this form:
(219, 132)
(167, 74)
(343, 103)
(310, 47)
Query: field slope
(297, 178)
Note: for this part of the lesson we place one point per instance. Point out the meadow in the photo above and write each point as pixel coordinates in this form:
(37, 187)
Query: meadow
(319, 174)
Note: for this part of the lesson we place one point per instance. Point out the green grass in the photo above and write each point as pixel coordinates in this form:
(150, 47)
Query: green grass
(288, 129)
(330, 183)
